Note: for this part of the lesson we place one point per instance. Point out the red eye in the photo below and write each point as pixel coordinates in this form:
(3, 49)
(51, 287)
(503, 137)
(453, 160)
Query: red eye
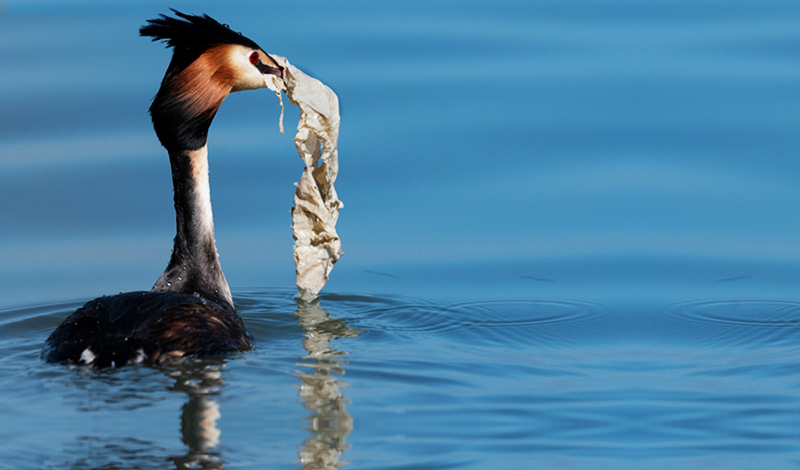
(254, 58)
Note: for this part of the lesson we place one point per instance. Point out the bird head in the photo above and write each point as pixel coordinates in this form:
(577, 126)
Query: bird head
(209, 62)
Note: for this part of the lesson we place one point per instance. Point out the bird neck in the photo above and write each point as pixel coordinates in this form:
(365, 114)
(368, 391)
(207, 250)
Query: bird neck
(194, 267)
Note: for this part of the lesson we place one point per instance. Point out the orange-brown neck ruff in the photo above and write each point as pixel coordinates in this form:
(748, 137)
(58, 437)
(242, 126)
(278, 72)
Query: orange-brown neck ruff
(205, 83)
(189, 98)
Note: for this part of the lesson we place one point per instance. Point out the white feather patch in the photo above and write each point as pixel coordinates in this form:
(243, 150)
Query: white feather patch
(140, 357)
(87, 356)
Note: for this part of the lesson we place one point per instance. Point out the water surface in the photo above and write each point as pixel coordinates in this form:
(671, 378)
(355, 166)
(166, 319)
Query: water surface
(570, 233)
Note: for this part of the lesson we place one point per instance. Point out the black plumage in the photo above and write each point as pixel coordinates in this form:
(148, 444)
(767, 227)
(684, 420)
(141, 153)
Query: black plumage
(192, 34)
(146, 327)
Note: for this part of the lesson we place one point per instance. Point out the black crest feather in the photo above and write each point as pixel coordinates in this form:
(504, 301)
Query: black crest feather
(192, 33)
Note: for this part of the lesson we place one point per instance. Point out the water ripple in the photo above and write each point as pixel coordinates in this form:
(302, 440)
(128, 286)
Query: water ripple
(510, 322)
(749, 323)
(509, 314)
(743, 313)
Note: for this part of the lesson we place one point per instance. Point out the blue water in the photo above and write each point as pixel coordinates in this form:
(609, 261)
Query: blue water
(570, 234)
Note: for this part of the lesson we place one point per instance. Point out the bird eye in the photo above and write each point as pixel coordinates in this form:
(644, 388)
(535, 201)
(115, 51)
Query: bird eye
(254, 58)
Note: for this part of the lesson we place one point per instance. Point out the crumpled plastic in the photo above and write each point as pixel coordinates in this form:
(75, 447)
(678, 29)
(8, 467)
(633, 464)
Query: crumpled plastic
(316, 208)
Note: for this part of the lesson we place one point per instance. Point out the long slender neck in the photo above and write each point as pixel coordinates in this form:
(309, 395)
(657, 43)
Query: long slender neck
(194, 267)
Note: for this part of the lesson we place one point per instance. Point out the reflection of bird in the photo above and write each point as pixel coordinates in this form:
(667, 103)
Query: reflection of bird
(189, 311)
(200, 380)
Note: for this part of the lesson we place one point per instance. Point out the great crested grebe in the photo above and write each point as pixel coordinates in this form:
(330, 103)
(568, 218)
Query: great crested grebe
(189, 312)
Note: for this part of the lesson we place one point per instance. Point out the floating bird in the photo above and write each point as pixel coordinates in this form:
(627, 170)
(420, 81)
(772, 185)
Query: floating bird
(189, 311)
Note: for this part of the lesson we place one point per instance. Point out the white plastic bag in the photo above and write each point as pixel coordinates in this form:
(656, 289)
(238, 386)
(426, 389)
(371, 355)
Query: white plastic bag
(316, 206)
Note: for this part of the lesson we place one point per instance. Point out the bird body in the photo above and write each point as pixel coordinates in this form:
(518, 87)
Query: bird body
(189, 312)
(146, 327)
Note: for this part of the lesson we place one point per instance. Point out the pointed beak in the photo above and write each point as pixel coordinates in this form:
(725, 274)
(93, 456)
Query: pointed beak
(268, 66)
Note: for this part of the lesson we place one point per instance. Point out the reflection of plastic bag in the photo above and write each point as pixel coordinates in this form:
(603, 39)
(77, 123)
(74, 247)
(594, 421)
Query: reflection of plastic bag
(316, 206)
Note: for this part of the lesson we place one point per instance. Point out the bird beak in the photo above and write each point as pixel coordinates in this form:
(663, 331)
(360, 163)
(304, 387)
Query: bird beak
(268, 66)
